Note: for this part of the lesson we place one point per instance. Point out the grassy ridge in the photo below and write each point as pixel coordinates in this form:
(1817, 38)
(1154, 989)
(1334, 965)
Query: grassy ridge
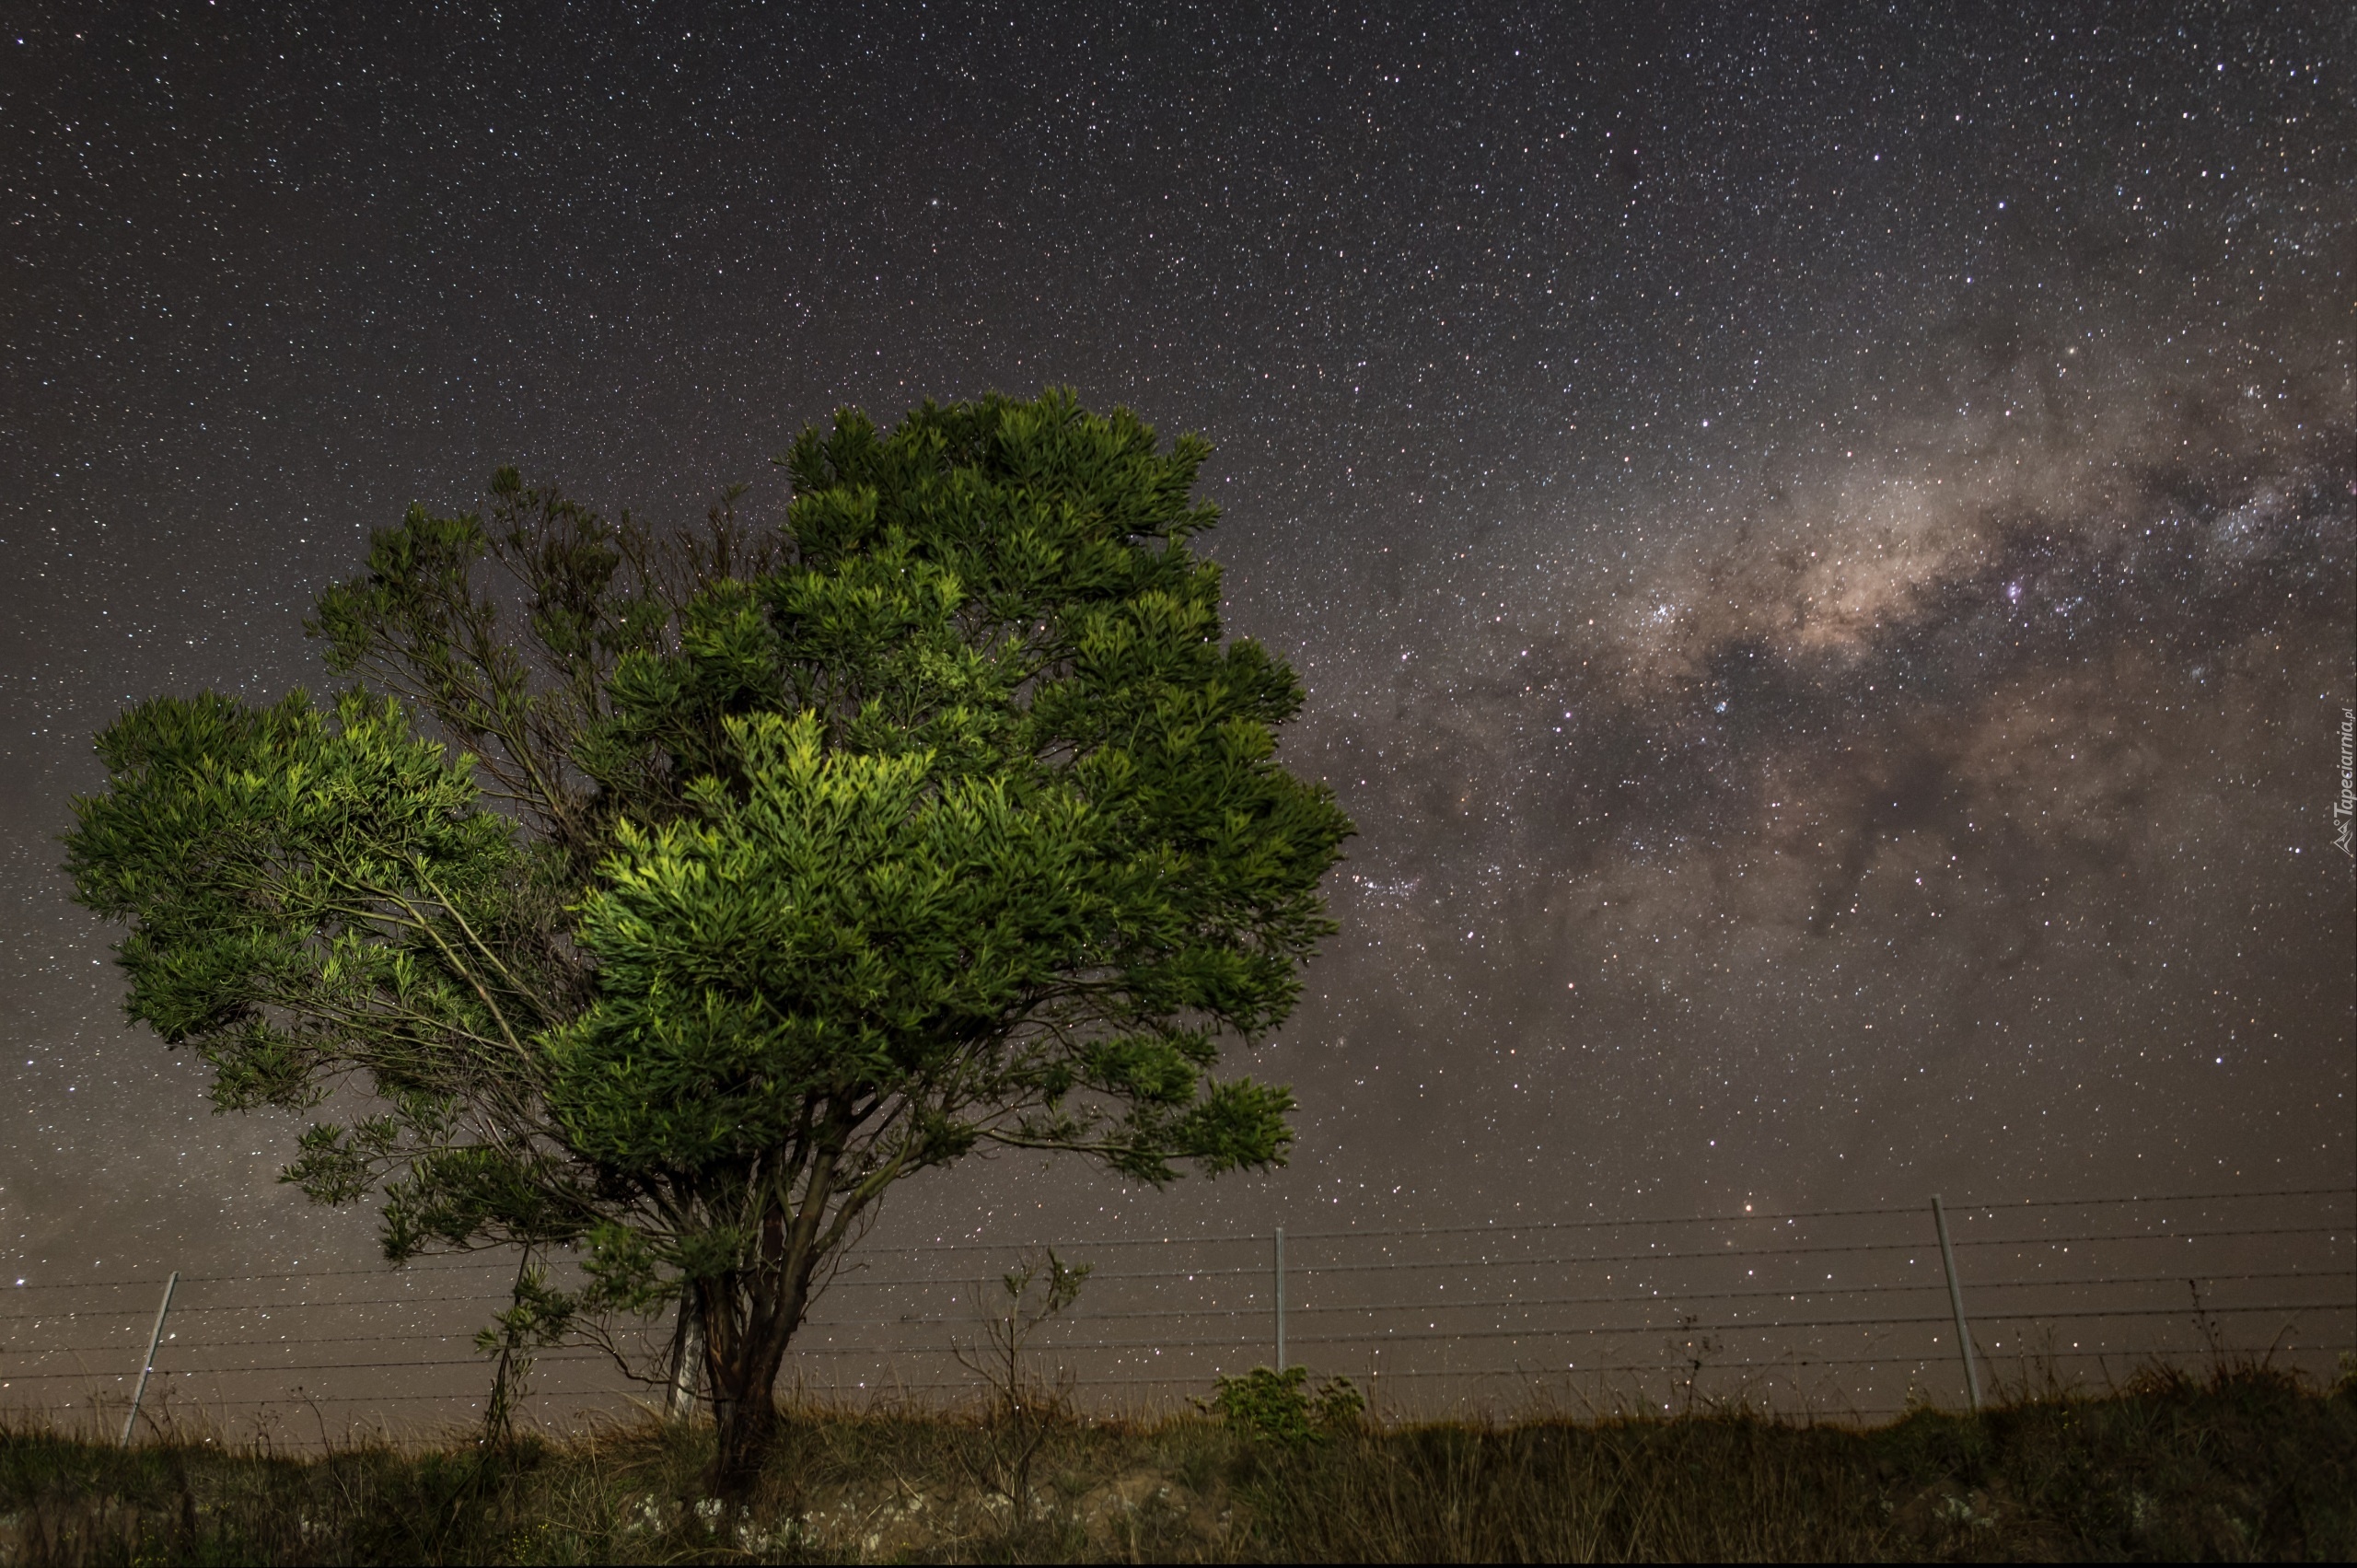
(2245, 1465)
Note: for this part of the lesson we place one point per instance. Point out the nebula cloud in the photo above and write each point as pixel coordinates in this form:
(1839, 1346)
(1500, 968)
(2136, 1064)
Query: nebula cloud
(1932, 732)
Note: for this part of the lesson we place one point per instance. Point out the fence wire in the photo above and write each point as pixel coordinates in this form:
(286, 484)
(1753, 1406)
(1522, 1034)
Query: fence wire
(1838, 1313)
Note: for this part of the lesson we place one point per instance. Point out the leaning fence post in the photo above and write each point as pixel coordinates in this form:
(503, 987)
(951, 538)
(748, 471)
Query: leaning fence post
(1956, 1302)
(1281, 1298)
(155, 1338)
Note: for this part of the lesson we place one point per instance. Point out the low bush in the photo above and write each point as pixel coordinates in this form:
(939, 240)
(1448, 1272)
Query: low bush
(1265, 1405)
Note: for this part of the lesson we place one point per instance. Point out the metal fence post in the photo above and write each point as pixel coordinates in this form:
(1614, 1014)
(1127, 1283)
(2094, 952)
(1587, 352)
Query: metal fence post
(155, 1338)
(1281, 1298)
(1956, 1303)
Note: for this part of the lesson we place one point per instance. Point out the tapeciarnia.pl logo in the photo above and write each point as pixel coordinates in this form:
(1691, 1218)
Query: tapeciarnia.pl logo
(2344, 810)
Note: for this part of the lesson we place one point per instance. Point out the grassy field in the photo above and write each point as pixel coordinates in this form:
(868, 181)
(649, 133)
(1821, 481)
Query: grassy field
(2247, 1464)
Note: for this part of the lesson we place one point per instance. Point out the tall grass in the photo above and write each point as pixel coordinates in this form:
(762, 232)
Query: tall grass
(2244, 1464)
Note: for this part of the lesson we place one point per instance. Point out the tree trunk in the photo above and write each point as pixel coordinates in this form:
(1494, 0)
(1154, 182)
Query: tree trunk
(743, 1428)
(742, 1355)
(687, 1358)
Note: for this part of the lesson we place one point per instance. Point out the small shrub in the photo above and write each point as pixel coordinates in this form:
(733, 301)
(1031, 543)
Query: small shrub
(1269, 1406)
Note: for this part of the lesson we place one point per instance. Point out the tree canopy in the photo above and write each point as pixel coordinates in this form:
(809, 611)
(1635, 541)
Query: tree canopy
(750, 873)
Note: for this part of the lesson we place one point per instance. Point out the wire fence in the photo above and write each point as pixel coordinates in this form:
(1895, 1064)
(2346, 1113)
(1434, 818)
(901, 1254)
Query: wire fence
(1838, 1313)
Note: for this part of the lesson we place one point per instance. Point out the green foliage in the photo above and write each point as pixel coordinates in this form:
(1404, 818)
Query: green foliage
(753, 872)
(317, 895)
(1272, 1406)
(536, 1318)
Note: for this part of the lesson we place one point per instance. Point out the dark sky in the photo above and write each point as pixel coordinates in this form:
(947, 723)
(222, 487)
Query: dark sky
(1820, 541)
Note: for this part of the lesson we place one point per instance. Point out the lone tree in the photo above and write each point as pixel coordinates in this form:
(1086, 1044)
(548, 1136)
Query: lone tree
(752, 876)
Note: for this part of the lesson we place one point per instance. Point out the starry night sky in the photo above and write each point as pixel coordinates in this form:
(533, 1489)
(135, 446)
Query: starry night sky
(1820, 543)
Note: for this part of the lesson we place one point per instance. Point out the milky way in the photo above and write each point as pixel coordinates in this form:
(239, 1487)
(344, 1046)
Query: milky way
(1821, 547)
